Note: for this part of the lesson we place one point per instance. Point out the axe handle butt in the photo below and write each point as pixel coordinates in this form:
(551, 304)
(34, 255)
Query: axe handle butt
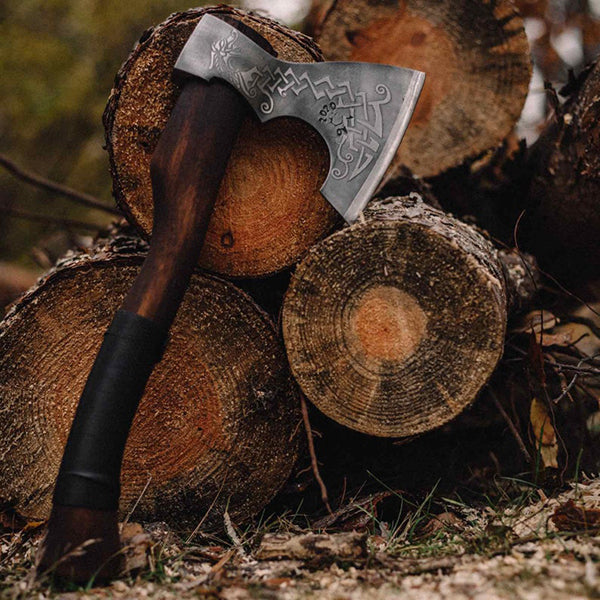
(186, 170)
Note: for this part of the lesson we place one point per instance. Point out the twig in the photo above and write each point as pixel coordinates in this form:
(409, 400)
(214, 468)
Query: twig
(511, 426)
(212, 504)
(56, 188)
(313, 456)
(137, 502)
(29, 216)
(574, 380)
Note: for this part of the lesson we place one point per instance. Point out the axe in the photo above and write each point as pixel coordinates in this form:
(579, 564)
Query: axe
(361, 110)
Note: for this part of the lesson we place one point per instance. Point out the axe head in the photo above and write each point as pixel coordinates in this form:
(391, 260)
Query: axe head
(360, 109)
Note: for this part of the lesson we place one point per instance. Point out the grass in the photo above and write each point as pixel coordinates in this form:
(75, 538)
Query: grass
(409, 528)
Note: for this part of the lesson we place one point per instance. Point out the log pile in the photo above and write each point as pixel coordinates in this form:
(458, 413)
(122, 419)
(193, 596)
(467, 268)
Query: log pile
(391, 327)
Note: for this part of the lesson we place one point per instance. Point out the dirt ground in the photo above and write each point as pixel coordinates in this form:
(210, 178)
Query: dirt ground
(531, 547)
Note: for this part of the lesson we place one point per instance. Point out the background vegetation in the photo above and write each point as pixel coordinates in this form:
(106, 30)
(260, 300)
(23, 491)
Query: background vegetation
(58, 59)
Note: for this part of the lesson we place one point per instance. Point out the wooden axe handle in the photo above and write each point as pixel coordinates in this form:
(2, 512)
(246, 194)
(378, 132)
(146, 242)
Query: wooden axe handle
(186, 169)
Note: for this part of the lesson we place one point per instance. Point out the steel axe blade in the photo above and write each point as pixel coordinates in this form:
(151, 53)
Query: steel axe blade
(360, 109)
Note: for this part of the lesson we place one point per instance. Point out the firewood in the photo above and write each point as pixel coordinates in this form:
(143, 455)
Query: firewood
(564, 197)
(215, 428)
(475, 55)
(269, 210)
(392, 326)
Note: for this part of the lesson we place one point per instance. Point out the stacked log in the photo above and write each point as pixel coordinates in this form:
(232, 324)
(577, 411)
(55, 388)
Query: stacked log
(269, 210)
(215, 428)
(475, 56)
(392, 326)
(564, 199)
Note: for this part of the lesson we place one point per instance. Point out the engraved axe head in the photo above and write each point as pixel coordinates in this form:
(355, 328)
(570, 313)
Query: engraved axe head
(360, 109)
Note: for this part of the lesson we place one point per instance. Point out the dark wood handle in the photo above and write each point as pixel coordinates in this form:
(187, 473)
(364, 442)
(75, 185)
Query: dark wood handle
(186, 169)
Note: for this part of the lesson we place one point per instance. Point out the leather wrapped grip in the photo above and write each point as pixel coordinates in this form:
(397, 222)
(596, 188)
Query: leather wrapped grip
(90, 470)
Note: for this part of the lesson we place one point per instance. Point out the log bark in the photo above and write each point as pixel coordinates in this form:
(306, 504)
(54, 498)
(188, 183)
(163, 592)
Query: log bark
(564, 197)
(475, 55)
(392, 326)
(269, 210)
(215, 427)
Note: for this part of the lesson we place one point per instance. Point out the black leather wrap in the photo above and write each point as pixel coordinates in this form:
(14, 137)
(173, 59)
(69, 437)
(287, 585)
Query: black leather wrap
(90, 469)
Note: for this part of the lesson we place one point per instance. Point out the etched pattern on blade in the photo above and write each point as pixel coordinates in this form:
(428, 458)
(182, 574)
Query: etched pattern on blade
(361, 110)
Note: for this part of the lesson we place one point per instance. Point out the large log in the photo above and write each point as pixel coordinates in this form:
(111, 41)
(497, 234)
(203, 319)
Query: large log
(215, 427)
(563, 222)
(392, 326)
(475, 55)
(269, 210)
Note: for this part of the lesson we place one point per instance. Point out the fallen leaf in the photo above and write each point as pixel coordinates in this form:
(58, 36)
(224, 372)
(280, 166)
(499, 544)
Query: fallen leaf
(446, 521)
(544, 433)
(570, 517)
(136, 543)
(536, 321)
(357, 515)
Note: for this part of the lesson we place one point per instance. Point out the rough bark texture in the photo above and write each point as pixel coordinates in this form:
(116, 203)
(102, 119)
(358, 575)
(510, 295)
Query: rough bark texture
(564, 221)
(392, 326)
(475, 55)
(215, 428)
(269, 209)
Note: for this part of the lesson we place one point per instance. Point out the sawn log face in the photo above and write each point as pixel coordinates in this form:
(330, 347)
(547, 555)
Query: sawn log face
(214, 427)
(269, 209)
(392, 326)
(475, 56)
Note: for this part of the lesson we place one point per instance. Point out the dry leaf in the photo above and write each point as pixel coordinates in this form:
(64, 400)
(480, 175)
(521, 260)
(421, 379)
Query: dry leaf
(544, 433)
(570, 517)
(357, 515)
(536, 321)
(446, 521)
(135, 544)
(334, 546)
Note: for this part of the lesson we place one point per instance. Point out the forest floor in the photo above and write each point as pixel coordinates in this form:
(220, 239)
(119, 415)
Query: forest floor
(531, 546)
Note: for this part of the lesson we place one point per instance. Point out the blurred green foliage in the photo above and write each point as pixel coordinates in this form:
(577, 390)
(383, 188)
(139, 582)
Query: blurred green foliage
(58, 59)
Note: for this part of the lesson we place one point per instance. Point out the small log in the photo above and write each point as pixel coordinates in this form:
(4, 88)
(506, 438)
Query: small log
(215, 427)
(563, 222)
(475, 55)
(269, 210)
(392, 326)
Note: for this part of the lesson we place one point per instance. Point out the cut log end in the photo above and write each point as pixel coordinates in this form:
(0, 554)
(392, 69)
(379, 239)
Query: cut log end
(214, 429)
(394, 325)
(269, 209)
(386, 324)
(475, 56)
